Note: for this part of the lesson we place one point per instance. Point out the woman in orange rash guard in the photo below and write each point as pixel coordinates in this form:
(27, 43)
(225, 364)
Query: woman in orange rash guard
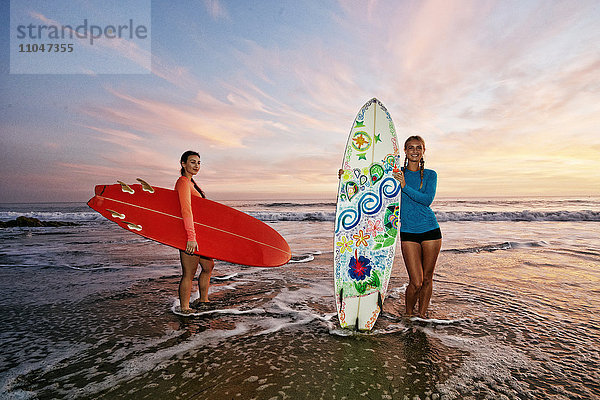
(186, 188)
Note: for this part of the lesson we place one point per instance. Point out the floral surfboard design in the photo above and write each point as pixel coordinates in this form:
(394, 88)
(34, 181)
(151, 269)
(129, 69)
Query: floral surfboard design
(367, 216)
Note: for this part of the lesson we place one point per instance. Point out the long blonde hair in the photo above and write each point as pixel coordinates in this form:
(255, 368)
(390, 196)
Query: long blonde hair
(422, 162)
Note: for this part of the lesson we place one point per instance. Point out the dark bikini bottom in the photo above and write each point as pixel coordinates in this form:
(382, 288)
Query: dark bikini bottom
(434, 234)
(202, 257)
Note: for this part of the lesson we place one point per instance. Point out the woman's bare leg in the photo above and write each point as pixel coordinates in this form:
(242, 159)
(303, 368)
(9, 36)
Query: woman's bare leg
(411, 252)
(189, 266)
(204, 278)
(430, 251)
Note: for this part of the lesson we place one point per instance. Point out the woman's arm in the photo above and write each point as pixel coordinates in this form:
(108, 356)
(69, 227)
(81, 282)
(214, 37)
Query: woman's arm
(185, 201)
(426, 197)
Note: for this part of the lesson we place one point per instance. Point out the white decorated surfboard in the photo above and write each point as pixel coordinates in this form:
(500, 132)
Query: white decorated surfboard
(367, 216)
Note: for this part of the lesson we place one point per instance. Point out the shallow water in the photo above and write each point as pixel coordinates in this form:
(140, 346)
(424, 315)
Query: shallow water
(87, 312)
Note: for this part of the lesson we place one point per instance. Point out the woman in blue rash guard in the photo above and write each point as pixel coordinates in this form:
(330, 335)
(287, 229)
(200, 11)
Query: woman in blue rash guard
(420, 235)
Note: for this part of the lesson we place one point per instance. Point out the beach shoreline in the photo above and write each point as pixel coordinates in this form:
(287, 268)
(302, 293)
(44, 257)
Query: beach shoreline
(87, 312)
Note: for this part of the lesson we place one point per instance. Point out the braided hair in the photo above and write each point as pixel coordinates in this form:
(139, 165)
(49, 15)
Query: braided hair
(184, 159)
(421, 162)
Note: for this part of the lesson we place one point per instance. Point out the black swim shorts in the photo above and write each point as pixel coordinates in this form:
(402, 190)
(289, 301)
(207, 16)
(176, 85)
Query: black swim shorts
(434, 234)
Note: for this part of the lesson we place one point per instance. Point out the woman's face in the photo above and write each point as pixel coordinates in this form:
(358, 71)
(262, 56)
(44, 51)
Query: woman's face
(414, 150)
(192, 166)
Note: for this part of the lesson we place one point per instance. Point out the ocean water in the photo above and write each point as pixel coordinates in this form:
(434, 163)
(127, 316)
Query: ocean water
(87, 311)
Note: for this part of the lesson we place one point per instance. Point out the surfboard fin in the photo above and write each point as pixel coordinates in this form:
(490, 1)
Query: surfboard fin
(126, 188)
(145, 185)
(116, 214)
(379, 302)
(134, 227)
(341, 296)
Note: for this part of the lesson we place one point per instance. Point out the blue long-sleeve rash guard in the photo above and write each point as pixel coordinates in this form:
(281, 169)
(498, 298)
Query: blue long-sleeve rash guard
(415, 214)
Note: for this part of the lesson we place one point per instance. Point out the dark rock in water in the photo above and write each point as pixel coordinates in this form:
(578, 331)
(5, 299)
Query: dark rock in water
(28, 221)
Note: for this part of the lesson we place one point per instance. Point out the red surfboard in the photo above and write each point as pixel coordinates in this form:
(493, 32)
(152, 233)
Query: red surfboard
(222, 232)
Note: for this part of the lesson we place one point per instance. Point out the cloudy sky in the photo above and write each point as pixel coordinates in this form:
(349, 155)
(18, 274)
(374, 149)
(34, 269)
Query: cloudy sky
(505, 93)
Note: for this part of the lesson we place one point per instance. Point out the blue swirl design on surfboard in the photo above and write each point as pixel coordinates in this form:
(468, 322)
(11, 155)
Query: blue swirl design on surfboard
(369, 203)
(361, 114)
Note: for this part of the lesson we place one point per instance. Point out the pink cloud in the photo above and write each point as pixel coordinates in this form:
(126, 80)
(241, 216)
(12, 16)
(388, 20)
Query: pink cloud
(221, 128)
(216, 9)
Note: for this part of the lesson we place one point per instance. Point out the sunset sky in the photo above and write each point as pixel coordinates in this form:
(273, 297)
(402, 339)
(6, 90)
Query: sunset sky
(505, 93)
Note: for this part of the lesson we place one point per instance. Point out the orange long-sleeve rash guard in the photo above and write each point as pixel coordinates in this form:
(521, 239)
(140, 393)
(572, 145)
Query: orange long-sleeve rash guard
(185, 189)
